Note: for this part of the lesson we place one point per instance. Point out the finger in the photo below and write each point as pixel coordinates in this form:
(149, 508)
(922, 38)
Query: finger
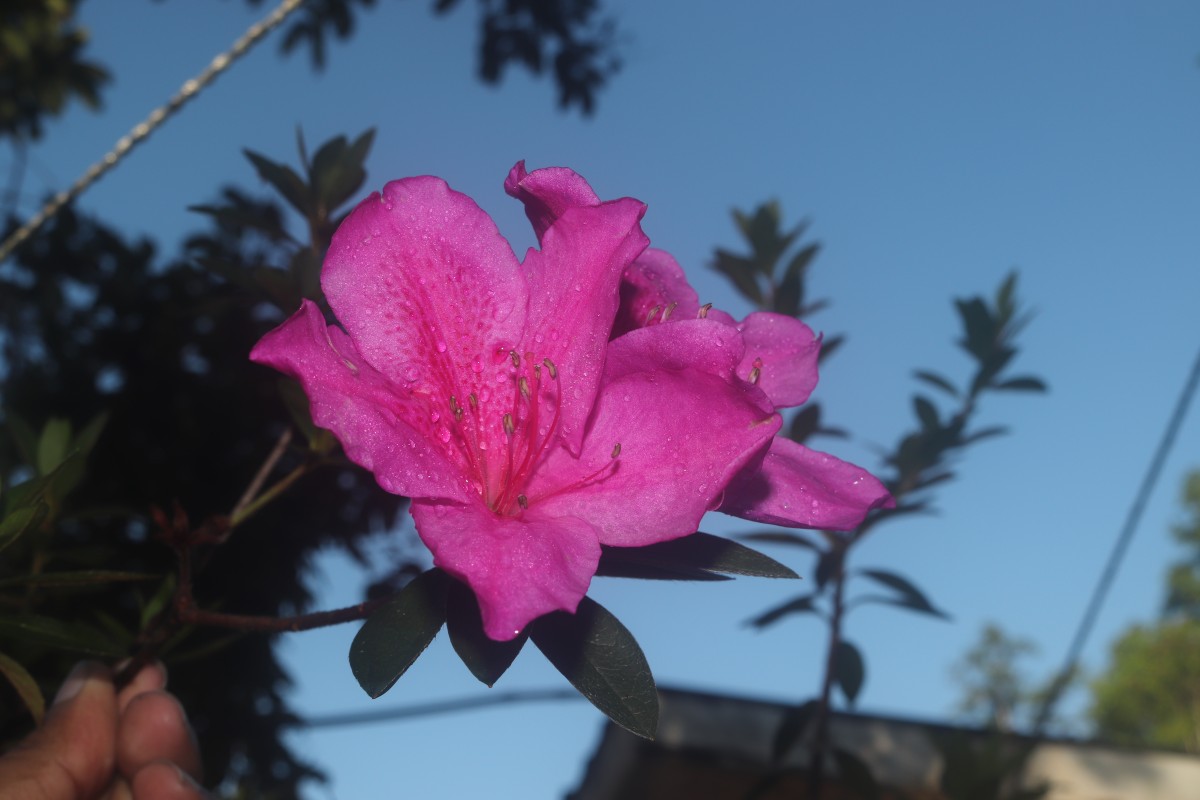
(71, 756)
(154, 727)
(150, 678)
(163, 781)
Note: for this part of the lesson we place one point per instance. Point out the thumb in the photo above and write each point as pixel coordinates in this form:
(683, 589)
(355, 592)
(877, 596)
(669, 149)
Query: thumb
(71, 756)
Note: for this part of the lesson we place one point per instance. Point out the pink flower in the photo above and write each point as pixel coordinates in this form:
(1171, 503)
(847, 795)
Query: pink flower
(488, 390)
(792, 485)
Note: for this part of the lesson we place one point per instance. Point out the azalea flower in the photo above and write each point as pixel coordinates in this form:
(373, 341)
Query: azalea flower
(792, 486)
(492, 392)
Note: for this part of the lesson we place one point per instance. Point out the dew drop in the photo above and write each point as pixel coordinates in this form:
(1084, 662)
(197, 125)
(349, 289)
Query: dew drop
(477, 365)
(441, 346)
(411, 373)
(434, 416)
(444, 434)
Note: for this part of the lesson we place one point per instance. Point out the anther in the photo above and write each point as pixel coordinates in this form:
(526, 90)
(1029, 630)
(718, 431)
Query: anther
(473, 400)
(553, 370)
(616, 450)
(704, 309)
(754, 373)
(523, 385)
(516, 359)
(667, 311)
(509, 428)
(653, 313)
(522, 501)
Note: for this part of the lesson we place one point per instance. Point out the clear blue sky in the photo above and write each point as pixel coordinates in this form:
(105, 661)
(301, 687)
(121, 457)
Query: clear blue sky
(934, 146)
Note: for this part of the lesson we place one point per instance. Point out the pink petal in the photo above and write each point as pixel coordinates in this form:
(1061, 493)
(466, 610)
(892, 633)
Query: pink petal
(801, 488)
(786, 351)
(547, 193)
(686, 425)
(378, 425)
(519, 567)
(573, 283)
(654, 280)
(428, 289)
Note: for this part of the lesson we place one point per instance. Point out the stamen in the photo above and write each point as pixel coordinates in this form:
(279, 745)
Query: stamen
(474, 401)
(704, 309)
(754, 373)
(667, 311)
(522, 501)
(653, 313)
(516, 359)
(523, 385)
(553, 370)
(509, 428)
(616, 450)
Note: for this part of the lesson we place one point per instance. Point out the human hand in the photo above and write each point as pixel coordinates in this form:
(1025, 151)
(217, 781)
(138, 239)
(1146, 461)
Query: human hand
(100, 744)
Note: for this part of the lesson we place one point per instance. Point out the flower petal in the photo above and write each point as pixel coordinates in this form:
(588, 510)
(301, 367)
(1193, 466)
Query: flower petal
(371, 418)
(573, 282)
(428, 289)
(519, 567)
(547, 193)
(686, 425)
(801, 488)
(654, 280)
(785, 351)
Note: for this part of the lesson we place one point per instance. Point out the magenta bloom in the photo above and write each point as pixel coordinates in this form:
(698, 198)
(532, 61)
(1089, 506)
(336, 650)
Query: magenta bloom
(490, 391)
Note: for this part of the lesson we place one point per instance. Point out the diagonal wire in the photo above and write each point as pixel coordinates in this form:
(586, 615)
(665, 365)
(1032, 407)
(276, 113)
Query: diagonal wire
(1084, 630)
(147, 126)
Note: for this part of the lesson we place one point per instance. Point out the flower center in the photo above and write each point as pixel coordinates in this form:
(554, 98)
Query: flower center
(523, 427)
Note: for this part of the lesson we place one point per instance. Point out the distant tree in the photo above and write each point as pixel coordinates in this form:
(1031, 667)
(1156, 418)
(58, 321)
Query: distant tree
(1150, 693)
(995, 689)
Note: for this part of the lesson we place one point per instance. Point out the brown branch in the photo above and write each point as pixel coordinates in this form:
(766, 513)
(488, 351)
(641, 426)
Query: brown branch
(187, 613)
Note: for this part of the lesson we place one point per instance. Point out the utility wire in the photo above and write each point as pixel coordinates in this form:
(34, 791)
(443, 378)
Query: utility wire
(1084, 630)
(438, 707)
(147, 126)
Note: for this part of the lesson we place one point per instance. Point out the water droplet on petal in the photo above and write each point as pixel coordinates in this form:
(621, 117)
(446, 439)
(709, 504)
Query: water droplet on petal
(411, 373)
(434, 416)
(477, 365)
(444, 434)
(441, 346)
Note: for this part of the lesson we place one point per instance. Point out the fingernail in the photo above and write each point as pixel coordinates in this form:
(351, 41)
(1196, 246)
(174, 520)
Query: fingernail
(73, 685)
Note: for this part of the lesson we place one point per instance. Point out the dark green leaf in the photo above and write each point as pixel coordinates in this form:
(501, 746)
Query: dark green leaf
(602, 660)
(829, 345)
(856, 775)
(53, 445)
(485, 657)
(25, 686)
(797, 605)
(697, 552)
(24, 436)
(94, 577)
(933, 379)
(781, 537)
(805, 423)
(978, 326)
(926, 412)
(398, 632)
(1025, 383)
(741, 272)
(849, 670)
(909, 594)
(985, 433)
(285, 180)
(87, 438)
(826, 565)
(19, 522)
(75, 638)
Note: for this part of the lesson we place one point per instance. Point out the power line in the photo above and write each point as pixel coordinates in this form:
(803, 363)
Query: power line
(1121, 546)
(438, 707)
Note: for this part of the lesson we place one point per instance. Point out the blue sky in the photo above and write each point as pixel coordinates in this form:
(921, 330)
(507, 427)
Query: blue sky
(933, 146)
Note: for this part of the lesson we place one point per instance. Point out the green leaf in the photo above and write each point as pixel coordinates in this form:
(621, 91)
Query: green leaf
(805, 423)
(19, 522)
(985, 433)
(697, 552)
(826, 564)
(602, 660)
(933, 379)
(296, 402)
(909, 595)
(53, 445)
(849, 670)
(76, 638)
(285, 180)
(797, 605)
(487, 659)
(829, 345)
(791, 728)
(398, 632)
(95, 577)
(25, 686)
(1025, 383)
(24, 436)
(926, 412)
(87, 438)
(741, 272)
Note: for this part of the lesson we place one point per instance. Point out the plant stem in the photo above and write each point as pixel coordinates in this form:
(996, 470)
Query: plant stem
(820, 743)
